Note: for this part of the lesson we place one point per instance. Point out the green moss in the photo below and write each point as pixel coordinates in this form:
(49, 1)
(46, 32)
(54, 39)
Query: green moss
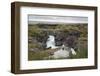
(37, 55)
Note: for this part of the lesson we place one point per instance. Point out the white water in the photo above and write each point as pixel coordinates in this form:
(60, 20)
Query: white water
(62, 52)
(73, 51)
(51, 42)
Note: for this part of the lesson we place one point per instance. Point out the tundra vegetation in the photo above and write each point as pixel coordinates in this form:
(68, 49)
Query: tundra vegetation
(71, 35)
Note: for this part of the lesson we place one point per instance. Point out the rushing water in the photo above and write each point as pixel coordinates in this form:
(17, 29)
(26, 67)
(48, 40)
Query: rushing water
(63, 52)
(51, 42)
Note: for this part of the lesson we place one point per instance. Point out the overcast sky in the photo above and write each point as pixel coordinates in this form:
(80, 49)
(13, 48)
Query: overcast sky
(33, 19)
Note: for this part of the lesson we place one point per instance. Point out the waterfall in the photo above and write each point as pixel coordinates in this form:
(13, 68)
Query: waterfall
(62, 52)
(51, 42)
